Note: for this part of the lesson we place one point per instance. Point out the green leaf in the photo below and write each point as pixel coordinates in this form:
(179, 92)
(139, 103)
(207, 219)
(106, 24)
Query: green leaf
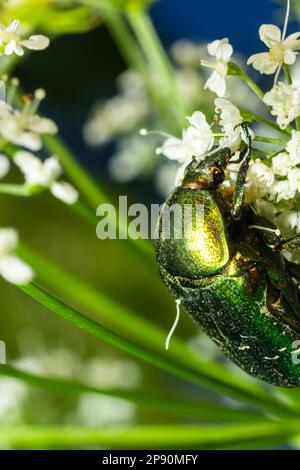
(146, 437)
(162, 361)
(50, 16)
(168, 404)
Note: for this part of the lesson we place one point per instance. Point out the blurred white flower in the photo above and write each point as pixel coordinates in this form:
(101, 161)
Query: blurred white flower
(196, 140)
(164, 178)
(45, 174)
(135, 157)
(282, 51)
(12, 395)
(285, 103)
(282, 190)
(108, 372)
(12, 268)
(23, 127)
(260, 173)
(100, 411)
(281, 164)
(289, 220)
(65, 192)
(117, 116)
(191, 93)
(4, 165)
(294, 179)
(230, 118)
(222, 51)
(187, 53)
(293, 147)
(11, 41)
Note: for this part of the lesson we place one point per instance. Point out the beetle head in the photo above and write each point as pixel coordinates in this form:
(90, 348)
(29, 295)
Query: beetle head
(208, 173)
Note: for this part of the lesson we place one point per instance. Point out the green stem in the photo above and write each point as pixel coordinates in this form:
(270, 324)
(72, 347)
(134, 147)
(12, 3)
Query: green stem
(248, 115)
(162, 361)
(235, 70)
(15, 189)
(127, 321)
(290, 82)
(158, 61)
(145, 436)
(136, 60)
(125, 41)
(270, 140)
(287, 74)
(262, 151)
(170, 404)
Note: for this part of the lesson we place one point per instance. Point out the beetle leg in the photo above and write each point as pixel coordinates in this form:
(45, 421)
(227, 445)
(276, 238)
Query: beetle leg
(245, 153)
(290, 244)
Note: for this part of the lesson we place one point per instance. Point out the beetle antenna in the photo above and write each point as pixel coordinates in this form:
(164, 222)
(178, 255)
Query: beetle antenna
(266, 229)
(178, 302)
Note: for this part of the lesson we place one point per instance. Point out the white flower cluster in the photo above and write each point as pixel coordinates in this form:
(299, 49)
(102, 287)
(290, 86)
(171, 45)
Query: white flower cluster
(12, 268)
(274, 187)
(199, 138)
(120, 114)
(11, 41)
(22, 127)
(273, 180)
(25, 128)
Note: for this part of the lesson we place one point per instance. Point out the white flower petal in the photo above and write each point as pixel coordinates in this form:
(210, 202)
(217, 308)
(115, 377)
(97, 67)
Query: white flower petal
(175, 149)
(4, 165)
(52, 169)
(263, 62)
(10, 48)
(65, 192)
(13, 27)
(198, 120)
(292, 41)
(14, 270)
(217, 84)
(42, 125)
(180, 173)
(8, 241)
(269, 34)
(36, 43)
(289, 57)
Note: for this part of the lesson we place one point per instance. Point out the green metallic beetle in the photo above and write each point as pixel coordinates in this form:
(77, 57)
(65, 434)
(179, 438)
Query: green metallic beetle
(230, 275)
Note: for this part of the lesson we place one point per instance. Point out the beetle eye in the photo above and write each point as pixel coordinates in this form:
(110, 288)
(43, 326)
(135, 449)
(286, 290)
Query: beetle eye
(218, 175)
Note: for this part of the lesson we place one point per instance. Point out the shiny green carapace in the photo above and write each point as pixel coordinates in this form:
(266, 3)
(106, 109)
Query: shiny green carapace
(229, 272)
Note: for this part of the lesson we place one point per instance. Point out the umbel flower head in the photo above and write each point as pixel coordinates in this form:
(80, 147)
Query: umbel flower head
(12, 268)
(222, 51)
(23, 126)
(282, 49)
(45, 175)
(11, 40)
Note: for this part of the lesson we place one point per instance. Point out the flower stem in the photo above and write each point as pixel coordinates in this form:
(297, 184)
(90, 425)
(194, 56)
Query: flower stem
(162, 361)
(290, 82)
(15, 189)
(123, 319)
(287, 74)
(270, 140)
(173, 405)
(248, 115)
(158, 61)
(235, 70)
(163, 436)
